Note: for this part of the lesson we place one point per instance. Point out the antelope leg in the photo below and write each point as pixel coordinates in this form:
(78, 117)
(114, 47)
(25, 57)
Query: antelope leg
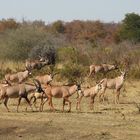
(5, 103)
(19, 100)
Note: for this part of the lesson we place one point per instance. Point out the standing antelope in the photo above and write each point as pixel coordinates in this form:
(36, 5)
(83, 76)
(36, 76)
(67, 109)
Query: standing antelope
(103, 68)
(60, 92)
(45, 79)
(36, 64)
(19, 76)
(90, 92)
(18, 91)
(116, 83)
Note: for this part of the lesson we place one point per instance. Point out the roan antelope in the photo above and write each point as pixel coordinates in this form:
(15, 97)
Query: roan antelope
(18, 77)
(115, 83)
(60, 92)
(90, 92)
(18, 91)
(45, 79)
(103, 68)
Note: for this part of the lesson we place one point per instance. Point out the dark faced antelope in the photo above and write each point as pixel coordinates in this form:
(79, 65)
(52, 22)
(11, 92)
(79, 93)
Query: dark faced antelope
(17, 91)
(60, 92)
(90, 92)
(103, 68)
(18, 77)
(115, 83)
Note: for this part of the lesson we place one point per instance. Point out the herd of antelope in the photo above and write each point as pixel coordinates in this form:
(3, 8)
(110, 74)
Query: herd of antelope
(15, 86)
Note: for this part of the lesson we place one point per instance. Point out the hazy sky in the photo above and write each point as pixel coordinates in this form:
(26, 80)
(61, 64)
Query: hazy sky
(67, 10)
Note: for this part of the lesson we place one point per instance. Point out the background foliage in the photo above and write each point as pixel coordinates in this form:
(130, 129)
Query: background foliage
(72, 46)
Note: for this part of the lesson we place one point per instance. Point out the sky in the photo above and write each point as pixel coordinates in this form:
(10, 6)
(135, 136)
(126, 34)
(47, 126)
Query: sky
(68, 10)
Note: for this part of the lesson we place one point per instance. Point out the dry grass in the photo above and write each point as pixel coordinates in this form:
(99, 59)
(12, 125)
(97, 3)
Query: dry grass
(107, 121)
(14, 66)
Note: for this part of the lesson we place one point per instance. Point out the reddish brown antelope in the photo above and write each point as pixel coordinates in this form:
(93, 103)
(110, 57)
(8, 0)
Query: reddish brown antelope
(45, 80)
(60, 92)
(90, 92)
(103, 68)
(115, 83)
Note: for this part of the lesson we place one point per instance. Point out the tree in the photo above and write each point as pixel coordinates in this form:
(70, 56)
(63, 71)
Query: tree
(46, 50)
(58, 27)
(130, 28)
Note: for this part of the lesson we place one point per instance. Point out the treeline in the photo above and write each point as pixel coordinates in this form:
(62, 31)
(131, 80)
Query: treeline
(74, 43)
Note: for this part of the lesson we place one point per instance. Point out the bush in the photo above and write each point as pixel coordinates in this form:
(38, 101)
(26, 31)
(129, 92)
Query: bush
(18, 44)
(45, 50)
(72, 72)
(130, 29)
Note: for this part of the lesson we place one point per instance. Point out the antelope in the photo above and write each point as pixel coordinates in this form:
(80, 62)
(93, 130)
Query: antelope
(45, 79)
(90, 92)
(115, 84)
(19, 76)
(18, 91)
(60, 92)
(103, 68)
(36, 64)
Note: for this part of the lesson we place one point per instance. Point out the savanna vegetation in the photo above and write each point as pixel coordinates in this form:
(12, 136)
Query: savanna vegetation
(72, 46)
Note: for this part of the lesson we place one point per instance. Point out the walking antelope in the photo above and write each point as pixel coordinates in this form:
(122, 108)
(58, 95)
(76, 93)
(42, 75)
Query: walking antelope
(90, 92)
(103, 68)
(18, 91)
(116, 83)
(60, 92)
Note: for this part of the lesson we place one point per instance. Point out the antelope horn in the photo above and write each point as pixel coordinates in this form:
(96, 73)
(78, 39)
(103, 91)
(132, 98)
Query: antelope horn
(37, 83)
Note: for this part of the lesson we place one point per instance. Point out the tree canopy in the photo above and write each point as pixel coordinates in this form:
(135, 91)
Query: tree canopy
(130, 28)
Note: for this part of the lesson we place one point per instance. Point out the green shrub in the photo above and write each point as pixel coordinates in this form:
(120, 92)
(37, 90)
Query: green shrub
(72, 72)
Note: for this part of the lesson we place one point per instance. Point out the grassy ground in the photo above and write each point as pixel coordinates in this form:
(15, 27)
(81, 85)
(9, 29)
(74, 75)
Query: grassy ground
(106, 122)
